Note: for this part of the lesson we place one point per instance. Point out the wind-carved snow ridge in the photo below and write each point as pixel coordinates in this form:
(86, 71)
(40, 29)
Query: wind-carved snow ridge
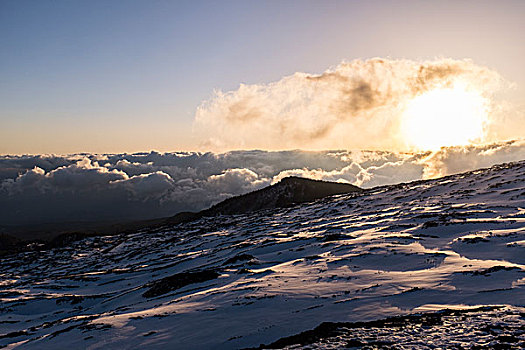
(239, 281)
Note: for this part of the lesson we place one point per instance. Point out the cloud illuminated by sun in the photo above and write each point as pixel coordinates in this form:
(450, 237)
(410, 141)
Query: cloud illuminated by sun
(453, 116)
(377, 103)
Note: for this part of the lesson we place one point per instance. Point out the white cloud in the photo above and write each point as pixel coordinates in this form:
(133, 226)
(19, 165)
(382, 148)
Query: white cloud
(235, 181)
(83, 174)
(148, 185)
(357, 104)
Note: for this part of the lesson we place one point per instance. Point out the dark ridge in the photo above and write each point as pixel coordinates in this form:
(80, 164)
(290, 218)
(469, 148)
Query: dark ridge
(9, 244)
(289, 191)
(333, 329)
(64, 239)
(185, 216)
(45, 232)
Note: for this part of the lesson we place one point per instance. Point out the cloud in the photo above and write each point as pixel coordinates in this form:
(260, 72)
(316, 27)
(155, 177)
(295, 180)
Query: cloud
(83, 174)
(355, 105)
(145, 186)
(118, 187)
(235, 181)
(451, 160)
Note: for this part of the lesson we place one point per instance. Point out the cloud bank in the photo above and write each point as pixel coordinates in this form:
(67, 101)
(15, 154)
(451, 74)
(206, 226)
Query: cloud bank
(115, 187)
(355, 105)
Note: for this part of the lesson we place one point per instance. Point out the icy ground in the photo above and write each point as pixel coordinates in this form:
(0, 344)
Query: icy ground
(245, 280)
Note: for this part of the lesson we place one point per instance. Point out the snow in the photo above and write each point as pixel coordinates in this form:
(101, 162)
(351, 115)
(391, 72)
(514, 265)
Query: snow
(455, 242)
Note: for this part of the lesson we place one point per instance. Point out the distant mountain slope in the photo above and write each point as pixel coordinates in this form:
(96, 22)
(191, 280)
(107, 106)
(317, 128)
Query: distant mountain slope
(290, 190)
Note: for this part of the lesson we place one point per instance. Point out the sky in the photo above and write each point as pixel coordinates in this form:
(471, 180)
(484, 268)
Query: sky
(130, 76)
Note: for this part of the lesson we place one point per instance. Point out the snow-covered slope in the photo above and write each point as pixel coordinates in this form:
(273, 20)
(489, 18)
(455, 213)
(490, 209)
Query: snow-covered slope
(245, 280)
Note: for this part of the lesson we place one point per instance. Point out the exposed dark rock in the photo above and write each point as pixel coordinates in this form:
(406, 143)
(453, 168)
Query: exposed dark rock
(177, 281)
(331, 237)
(240, 257)
(335, 329)
(474, 240)
(14, 334)
(491, 270)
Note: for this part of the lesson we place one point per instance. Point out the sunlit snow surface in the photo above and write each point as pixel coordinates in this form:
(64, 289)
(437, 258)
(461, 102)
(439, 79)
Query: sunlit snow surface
(419, 247)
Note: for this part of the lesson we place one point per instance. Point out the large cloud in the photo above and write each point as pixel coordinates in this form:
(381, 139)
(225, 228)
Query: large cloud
(355, 105)
(113, 187)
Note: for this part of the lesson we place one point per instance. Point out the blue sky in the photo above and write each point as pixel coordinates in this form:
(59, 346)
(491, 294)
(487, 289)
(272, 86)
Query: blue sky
(124, 76)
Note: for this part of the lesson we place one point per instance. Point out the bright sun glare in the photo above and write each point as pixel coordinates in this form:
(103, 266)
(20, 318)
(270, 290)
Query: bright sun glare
(444, 117)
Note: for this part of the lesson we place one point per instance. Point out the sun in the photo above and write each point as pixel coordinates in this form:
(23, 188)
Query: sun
(441, 117)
